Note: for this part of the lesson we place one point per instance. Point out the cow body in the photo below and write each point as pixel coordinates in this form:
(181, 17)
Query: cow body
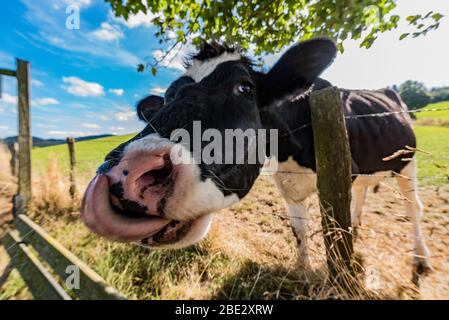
(154, 189)
(371, 139)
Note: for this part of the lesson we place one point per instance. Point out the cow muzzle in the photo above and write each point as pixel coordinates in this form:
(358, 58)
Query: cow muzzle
(154, 194)
(140, 197)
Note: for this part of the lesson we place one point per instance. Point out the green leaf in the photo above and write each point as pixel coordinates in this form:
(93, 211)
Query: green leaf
(437, 16)
(140, 67)
(268, 26)
(403, 36)
(153, 71)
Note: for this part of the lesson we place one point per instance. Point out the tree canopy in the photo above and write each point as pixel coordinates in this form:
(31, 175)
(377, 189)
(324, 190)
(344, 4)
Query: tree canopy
(414, 94)
(266, 26)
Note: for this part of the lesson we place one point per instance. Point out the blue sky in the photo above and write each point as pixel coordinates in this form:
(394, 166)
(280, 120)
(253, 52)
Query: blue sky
(85, 82)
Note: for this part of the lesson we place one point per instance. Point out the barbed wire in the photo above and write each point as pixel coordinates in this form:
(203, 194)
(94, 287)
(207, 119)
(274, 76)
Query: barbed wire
(373, 115)
(382, 114)
(393, 175)
(353, 117)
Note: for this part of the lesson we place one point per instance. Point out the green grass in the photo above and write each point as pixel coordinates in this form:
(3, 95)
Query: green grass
(209, 269)
(433, 168)
(435, 114)
(89, 154)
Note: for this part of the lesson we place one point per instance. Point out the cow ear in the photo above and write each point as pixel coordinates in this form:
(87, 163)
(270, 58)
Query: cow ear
(170, 94)
(148, 106)
(297, 69)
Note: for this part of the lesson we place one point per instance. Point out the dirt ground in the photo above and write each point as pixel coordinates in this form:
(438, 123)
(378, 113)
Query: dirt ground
(258, 227)
(7, 189)
(384, 242)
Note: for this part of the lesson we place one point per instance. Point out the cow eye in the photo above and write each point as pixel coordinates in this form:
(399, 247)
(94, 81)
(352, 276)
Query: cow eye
(245, 88)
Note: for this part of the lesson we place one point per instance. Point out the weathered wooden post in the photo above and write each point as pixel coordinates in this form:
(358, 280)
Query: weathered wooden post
(14, 163)
(72, 189)
(24, 139)
(333, 160)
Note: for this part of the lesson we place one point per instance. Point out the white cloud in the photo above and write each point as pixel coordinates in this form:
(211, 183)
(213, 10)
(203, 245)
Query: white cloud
(37, 83)
(44, 102)
(45, 126)
(4, 127)
(78, 106)
(125, 114)
(91, 126)
(9, 99)
(107, 32)
(175, 58)
(96, 116)
(45, 15)
(78, 3)
(136, 20)
(79, 87)
(158, 90)
(71, 133)
(117, 130)
(171, 34)
(118, 92)
(172, 60)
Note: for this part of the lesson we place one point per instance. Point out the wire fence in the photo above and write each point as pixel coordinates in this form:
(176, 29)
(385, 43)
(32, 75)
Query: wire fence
(373, 115)
(444, 176)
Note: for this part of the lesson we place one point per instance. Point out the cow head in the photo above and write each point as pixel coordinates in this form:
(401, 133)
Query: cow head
(156, 189)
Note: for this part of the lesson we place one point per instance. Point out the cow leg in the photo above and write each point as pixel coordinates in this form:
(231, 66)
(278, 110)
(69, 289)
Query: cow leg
(414, 208)
(359, 195)
(296, 184)
(299, 220)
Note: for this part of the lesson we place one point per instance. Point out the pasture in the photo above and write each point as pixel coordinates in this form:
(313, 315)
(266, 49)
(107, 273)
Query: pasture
(444, 114)
(90, 154)
(430, 118)
(251, 252)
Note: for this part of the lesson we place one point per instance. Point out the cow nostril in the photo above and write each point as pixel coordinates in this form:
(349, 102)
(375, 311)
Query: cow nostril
(116, 190)
(156, 176)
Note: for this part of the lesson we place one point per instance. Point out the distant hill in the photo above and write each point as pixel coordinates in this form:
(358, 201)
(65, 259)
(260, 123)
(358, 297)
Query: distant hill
(93, 137)
(40, 142)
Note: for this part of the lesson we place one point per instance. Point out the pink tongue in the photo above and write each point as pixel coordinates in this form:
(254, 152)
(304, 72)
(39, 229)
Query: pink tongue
(98, 214)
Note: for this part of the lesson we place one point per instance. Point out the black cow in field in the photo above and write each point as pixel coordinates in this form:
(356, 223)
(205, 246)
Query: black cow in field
(144, 193)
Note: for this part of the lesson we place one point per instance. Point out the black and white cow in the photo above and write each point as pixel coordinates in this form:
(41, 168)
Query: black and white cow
(140, 194)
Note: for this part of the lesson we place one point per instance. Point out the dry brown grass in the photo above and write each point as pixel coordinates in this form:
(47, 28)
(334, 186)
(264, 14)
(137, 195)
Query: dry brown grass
(51, 197)
(251, 252)
(433, 122)
(7, 188)
(51, 193)
(7, 181)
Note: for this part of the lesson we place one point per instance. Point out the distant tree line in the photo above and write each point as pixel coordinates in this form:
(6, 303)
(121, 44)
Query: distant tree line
(416, 95)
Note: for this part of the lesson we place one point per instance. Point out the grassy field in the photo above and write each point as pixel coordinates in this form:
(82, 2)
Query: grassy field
(90, 154)
(251, 252)
(435, 114)
(433, 167)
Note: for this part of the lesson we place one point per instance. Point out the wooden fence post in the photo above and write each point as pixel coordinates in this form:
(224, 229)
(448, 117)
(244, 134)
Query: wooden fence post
(14, 163)
(24, 138)
(333, 166)
(72, 189)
